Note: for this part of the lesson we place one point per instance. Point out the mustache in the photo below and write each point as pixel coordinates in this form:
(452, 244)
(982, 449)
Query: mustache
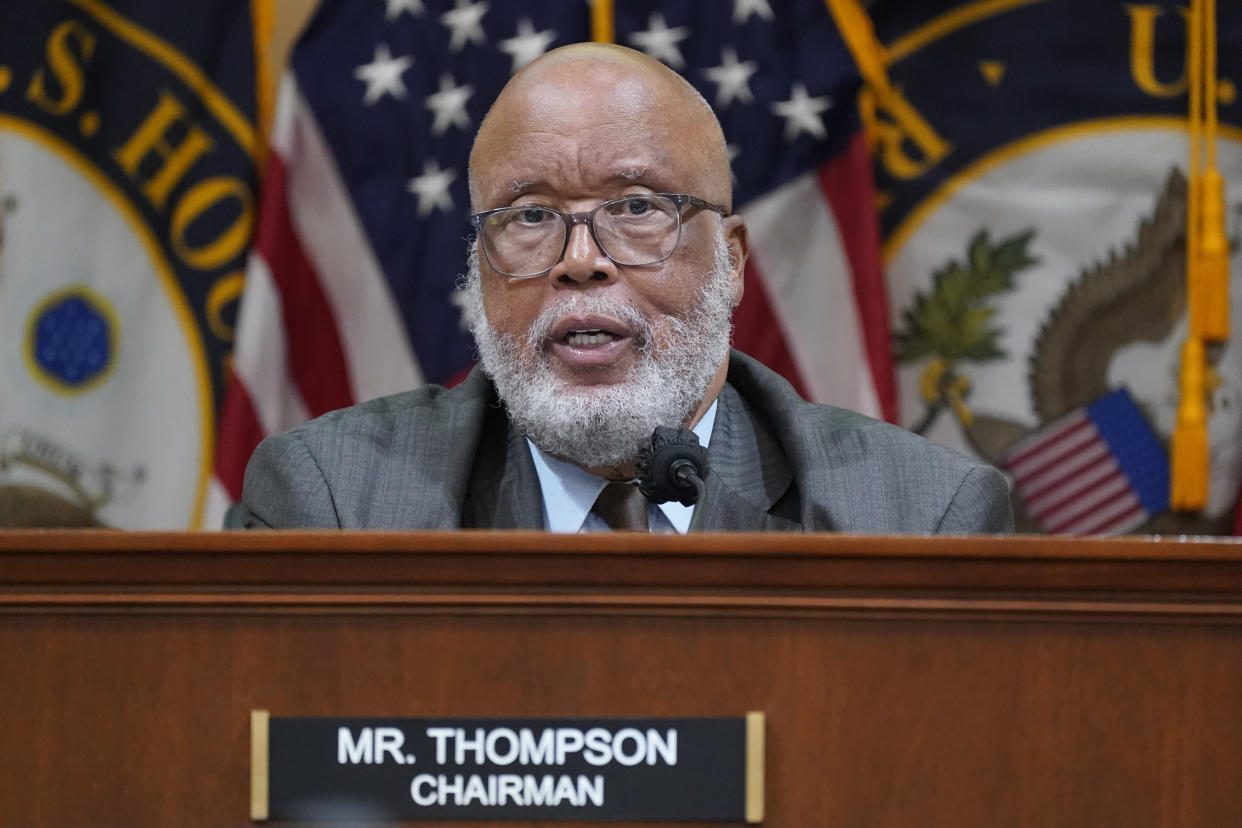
(579, 303)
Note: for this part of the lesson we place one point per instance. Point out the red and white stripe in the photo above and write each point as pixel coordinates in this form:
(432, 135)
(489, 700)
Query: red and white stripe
(318, 328)
(816, 308)
(1071, 482)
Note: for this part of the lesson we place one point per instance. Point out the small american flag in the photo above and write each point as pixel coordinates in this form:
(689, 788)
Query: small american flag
(363, 227)
(1098, 470)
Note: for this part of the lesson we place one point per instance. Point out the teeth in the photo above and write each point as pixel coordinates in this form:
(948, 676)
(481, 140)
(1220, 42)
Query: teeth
(583, 338)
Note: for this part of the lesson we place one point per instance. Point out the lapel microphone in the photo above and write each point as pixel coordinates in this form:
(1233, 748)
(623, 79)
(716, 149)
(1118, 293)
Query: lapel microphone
(673, 468)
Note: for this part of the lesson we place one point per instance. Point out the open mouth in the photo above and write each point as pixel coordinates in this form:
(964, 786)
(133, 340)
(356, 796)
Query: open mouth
(588, 331)
(587, 339)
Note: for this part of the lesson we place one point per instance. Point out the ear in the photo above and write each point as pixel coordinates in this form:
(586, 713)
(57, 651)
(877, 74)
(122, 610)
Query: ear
(738, 239)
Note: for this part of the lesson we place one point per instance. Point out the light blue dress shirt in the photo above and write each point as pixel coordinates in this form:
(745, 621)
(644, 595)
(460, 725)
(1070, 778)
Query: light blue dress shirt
(569, 493)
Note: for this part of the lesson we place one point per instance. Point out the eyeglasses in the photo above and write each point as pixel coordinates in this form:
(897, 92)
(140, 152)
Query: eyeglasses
(528, 240)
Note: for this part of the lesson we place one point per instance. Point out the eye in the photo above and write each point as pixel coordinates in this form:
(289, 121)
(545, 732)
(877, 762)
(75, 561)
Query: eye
(526, 217)
(633, 207)
(532, 215)
(636, 206)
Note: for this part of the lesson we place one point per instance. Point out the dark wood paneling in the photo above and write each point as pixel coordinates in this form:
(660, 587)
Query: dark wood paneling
(907, 682)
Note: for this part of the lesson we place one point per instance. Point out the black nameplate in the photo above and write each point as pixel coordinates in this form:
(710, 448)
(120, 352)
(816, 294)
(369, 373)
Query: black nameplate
(584, 770)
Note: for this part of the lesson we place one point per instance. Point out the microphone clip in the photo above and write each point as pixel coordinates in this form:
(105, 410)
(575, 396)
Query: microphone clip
(672, 467)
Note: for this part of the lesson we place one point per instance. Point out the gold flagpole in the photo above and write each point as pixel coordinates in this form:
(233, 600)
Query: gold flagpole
(262, 23)
(602, 27)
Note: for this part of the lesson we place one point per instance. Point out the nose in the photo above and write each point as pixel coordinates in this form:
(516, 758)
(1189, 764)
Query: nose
(584, 262)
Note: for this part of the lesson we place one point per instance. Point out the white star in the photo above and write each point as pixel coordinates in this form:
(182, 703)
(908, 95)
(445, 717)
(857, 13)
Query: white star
(801, 113)
(465, 22)
(527, 44)
(432, 188)
(465, 308)
(383, 75)
(449, 105)
(743, 9)
(660, 42)
(732, 78)
(395, 7)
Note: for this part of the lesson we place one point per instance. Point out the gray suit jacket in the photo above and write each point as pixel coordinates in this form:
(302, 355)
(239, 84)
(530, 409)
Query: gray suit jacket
(446, 459)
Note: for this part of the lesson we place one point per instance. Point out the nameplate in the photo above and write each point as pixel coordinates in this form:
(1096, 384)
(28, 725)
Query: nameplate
(497, 770)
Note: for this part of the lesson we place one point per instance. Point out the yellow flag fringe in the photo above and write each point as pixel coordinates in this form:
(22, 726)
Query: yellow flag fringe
(1190, 437)
(1207, 265)
(1213, 247)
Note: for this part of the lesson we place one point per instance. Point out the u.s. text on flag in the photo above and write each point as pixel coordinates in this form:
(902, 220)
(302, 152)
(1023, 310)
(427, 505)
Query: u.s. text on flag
(363, 229)
(1098, 470)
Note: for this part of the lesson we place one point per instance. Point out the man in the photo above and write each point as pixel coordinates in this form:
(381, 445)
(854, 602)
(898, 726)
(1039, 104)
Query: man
(601, 284)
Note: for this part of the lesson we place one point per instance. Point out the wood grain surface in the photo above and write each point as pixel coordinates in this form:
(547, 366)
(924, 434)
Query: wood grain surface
(1009, 681)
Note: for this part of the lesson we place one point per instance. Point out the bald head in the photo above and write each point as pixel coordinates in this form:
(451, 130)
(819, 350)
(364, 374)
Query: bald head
(601, 95)
(591, 354)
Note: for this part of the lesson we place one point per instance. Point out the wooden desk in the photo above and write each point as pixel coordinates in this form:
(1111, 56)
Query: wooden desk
(907, 681)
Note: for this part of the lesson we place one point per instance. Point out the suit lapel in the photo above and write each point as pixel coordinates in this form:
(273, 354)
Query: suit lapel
(503, 492)
(749, 485)
(728, 511)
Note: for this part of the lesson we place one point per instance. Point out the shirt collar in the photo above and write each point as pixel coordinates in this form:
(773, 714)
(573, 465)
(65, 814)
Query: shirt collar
(569, 492)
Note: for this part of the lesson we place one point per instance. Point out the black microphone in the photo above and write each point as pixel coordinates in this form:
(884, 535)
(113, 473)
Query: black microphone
(673, 468)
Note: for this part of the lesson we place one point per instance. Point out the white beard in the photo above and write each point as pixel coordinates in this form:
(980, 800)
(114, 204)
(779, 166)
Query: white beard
(607, 425)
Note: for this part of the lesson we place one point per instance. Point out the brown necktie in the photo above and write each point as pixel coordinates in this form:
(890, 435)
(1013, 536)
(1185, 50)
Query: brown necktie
(623, 507)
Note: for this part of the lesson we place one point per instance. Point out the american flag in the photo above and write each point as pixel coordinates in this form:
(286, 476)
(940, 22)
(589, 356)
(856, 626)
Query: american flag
(1098, 470)
(363, 224)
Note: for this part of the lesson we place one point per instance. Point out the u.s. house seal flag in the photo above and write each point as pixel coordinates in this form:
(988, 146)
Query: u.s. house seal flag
(1031, 158)
(127, 177)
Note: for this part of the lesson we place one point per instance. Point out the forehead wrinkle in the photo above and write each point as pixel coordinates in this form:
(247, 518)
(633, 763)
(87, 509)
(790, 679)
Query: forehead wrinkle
(576, 174)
